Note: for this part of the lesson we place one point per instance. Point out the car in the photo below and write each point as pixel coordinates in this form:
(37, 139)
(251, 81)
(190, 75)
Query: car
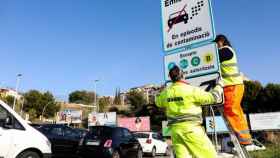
(109, 142)
(178, 17)
(18, 139)
(80, 131)
(64, 139)
(152, 143)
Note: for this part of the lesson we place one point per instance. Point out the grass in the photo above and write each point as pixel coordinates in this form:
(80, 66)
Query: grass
(272, 151)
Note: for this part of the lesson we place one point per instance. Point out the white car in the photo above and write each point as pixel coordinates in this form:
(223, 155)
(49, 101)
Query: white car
(18, 139)
(152, 143)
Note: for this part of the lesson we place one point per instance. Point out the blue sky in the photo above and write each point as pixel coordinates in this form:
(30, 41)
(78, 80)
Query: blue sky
(64, 45)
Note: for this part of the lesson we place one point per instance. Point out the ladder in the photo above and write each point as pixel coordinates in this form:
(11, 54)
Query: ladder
(241, 151)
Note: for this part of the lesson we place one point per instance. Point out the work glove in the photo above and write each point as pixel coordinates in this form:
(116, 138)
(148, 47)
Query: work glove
(217, 92)
(219, 82)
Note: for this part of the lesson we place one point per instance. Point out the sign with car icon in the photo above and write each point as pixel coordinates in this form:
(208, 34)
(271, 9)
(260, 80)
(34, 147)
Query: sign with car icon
(177, 17)
(186, 23)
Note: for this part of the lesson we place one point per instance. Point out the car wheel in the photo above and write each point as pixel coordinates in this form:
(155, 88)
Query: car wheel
(167, 152)
(116, 154)
(139, 153)
(28, 154)
(153, 154)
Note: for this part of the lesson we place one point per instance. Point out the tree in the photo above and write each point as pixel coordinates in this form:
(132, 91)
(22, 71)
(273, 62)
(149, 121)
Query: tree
(103, 103)
(136, 99)
(156, 115)
(82, 97)
(252, 91)
(269, 98)
(117, 99)
(36, 102)
(9, 100)
(114, 109)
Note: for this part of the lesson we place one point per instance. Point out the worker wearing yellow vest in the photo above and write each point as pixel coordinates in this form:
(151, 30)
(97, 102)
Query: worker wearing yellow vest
(183, 109)
(233, 90)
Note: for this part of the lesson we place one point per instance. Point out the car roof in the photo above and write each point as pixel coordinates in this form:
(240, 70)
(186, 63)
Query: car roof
(146, 132)
(113, 127)
(49, 125)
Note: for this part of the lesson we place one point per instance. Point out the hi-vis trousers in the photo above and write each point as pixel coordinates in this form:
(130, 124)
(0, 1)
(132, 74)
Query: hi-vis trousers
(234, 113)
(192, 143)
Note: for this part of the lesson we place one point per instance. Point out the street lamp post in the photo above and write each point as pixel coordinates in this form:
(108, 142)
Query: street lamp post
(95, 95)
(17, 85)
(21, 109)
(45, 109)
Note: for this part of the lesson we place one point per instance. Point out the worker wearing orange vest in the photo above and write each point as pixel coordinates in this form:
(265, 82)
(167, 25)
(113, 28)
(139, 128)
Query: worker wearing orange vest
(233, 90)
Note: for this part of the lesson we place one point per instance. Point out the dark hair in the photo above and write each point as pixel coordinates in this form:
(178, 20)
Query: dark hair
(137, 120)
(222, 38)
(175, 74)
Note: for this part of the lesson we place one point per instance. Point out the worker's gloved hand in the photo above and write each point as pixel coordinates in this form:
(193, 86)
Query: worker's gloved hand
(217, 92)
(219, 82)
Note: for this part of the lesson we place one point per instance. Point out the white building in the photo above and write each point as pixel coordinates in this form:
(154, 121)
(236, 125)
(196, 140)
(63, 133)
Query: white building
(10, 92)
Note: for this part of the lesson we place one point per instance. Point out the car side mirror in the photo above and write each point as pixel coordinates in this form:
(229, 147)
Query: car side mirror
(8, 121)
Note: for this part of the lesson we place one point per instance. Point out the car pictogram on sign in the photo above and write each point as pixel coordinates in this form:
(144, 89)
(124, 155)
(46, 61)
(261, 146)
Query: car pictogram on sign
(178, 17)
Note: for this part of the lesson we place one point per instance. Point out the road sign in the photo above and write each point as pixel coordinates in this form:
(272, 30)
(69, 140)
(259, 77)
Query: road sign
(194, 62)
(186, 22)
(219, 125)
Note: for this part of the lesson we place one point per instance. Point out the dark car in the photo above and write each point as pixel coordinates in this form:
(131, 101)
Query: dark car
(109, 142)
(178, 17)
(64, 139)
(80, 132)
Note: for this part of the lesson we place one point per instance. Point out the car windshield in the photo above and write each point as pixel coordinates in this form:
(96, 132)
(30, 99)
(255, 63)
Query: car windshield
(141, 135)
(177, 14)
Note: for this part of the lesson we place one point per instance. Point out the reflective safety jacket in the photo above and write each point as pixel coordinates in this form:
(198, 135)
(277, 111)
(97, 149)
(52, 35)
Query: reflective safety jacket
(183, 101)
(230, 70)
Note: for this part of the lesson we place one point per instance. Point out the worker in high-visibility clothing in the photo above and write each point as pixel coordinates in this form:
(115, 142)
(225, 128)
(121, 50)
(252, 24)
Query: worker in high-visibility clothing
(183, 109)
(233, 90)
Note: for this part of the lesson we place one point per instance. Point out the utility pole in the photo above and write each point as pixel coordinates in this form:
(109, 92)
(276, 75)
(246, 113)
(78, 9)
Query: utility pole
(17, 85)
(45, 109)
(95, 95)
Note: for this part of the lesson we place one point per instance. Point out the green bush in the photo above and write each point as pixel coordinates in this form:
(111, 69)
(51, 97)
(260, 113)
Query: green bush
(272, 151)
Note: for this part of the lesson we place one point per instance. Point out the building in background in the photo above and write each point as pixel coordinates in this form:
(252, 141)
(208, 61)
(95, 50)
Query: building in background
(149, 91)
(10, 92)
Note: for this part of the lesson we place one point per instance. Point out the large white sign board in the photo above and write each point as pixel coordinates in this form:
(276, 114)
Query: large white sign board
(186, 22)
(194, 62)
(107, 118)
(265, 121)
